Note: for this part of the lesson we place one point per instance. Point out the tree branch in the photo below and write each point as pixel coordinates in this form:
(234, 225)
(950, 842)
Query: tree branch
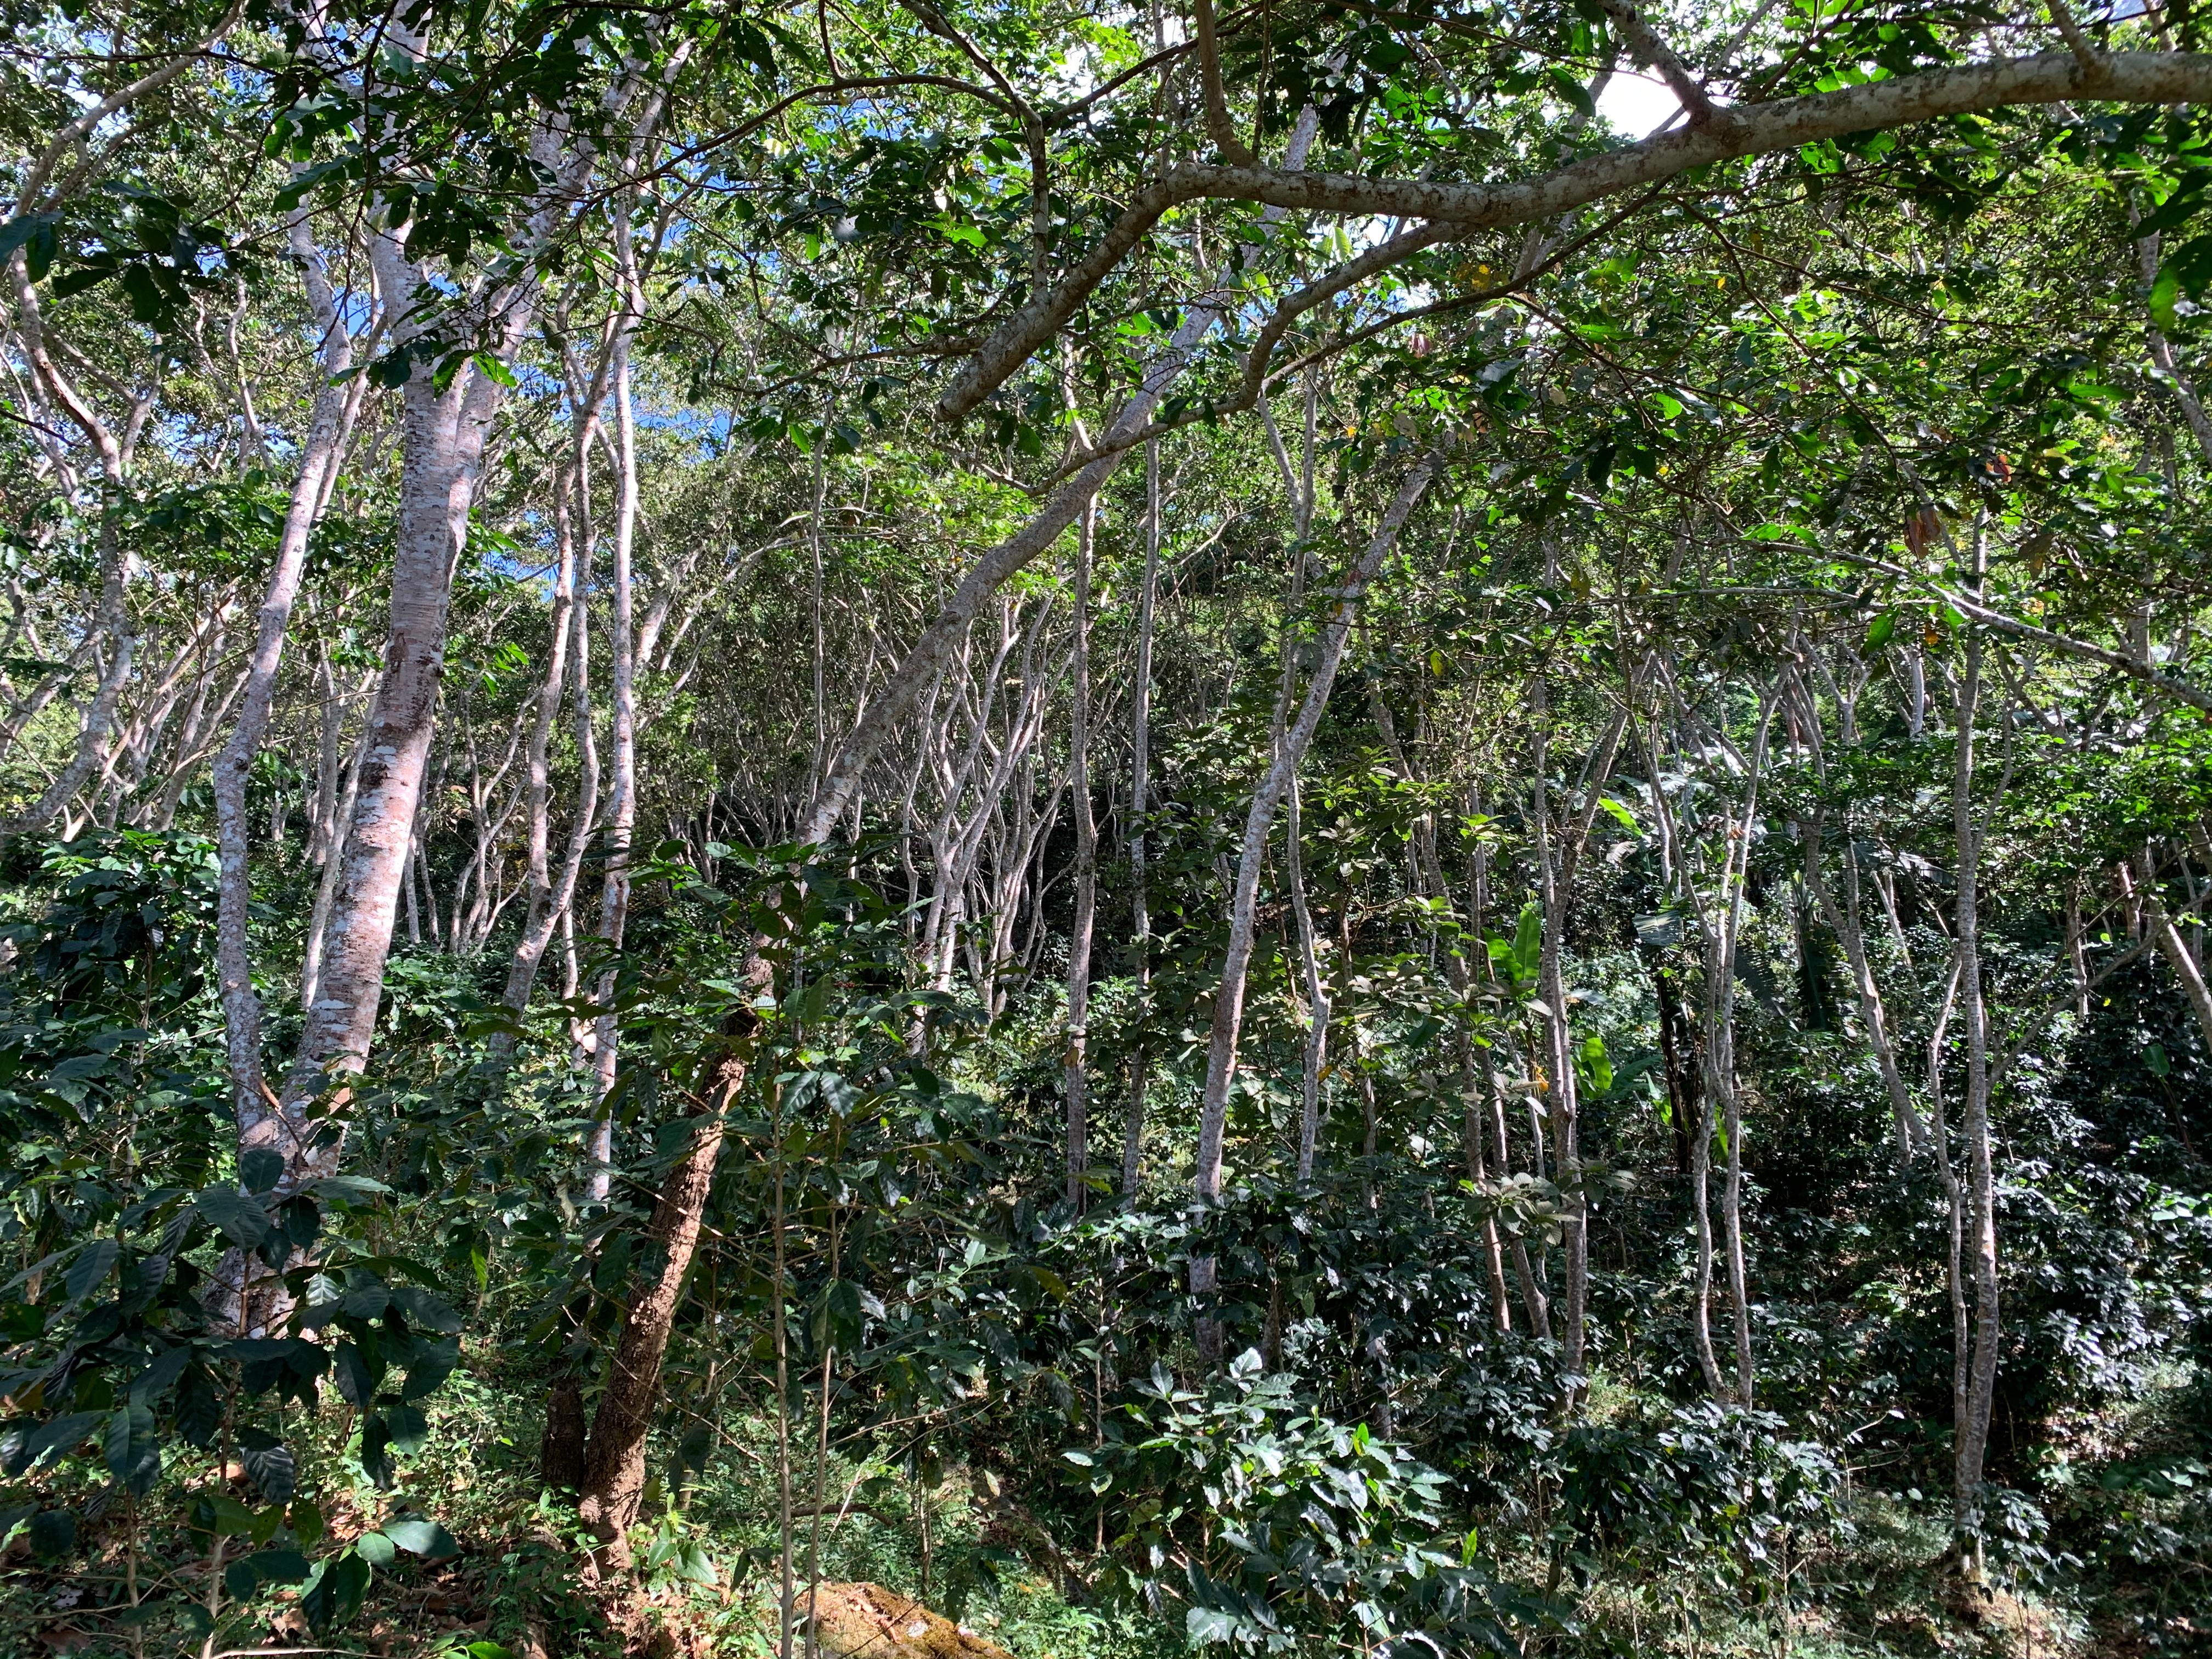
(1975, 611)
(1751, 129)
(1645, 47)
(1219, 126)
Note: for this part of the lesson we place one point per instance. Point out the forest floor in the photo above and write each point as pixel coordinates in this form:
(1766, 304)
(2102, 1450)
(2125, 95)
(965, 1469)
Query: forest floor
(521, 1588)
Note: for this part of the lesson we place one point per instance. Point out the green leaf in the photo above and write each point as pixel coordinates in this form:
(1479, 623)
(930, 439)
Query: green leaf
(2163, 294)
(53, 1534)
(219, 1512)
(409, 1428)
(25, 1449)
(334, 1592)
(348, 1189)
(269, 1462)
(1594, 1064)
(424, 1538)
(376, 1460)
(260, 1168)
(1528, 943)
(240, 1218)
(356, 1378)
(90, 1268)
(434, 1363)
(425, 1309)
(1880, 630)
(376, 1548)
(15, 233)
(134, 1450)
(244, 1577)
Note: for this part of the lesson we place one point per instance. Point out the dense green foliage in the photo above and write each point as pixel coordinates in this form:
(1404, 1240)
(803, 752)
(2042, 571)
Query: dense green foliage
(984, 798)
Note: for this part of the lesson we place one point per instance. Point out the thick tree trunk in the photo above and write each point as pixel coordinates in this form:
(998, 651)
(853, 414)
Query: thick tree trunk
(443, 436)
(340, 827)
(614, 1457)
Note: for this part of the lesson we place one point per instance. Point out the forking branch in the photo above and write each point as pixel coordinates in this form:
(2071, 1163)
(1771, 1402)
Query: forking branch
(1753, 130)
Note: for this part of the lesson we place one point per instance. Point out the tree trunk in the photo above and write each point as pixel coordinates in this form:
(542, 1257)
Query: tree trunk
(1680, 1080)
(1973, 1433)
(1141, 737)
(1557, 850)
(2167, 937)
(1229, 998)
(1431, 884)
(1954, 1204)
(320, 455)
(928, 655)
(1086, 878)
(113, 618)
(1724, 924)
(549, 896)
(443, 436)
(621, 818)
(1317, 1004)
(1843, 922)
(614, 1457)
(1701, 1222)
(1259, 821)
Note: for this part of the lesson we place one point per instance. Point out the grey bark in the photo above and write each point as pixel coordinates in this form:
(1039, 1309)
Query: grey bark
(1259, 822)
(320, 451)
(1973, 1429)
(1086, 878)
(1140, 729)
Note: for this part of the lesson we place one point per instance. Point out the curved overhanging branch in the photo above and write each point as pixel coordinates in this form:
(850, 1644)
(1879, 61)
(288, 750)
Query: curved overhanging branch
(2127, 77)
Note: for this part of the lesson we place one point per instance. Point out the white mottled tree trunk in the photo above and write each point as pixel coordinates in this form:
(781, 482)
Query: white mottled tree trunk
(1087, 876)
(329, 422)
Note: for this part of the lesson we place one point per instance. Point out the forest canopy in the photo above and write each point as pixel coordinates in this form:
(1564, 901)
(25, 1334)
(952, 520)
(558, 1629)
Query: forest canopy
(1328, 827)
